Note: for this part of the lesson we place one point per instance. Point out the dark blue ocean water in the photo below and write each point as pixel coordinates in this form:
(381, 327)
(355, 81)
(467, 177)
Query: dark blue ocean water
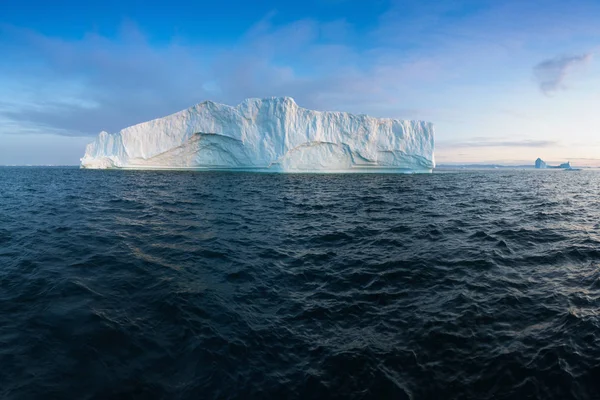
(183, 285)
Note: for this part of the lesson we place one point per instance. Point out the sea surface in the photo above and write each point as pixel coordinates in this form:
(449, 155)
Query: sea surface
(206, 285)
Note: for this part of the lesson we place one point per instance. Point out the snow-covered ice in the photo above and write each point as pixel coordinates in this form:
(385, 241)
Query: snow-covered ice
(540, 164)
(272, 134)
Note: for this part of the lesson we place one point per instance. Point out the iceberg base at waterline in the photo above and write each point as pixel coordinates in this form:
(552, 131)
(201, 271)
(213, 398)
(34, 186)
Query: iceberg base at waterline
(267, 135)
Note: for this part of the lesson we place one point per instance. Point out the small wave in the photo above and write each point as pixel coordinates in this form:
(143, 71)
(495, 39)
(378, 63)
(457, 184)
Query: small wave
(213, 285)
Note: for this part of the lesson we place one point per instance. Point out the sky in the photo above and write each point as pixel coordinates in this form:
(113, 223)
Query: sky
(504, 81)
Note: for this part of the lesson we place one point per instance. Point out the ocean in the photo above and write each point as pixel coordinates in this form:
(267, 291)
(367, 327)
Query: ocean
(213, 285)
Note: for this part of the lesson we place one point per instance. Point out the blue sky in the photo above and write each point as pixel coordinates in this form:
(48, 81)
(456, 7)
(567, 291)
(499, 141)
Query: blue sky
(503, 81)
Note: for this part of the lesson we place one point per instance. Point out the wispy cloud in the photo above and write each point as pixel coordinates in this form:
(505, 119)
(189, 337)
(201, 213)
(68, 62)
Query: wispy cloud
(81, 87)
(552, 73)
(485, 142)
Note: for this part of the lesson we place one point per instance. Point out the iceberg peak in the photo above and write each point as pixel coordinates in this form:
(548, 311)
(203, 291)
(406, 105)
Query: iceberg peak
(270, 134)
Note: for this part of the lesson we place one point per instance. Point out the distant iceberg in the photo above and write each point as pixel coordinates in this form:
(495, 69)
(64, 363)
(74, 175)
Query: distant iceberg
(566, 165)
(273, 134)
(540, 164)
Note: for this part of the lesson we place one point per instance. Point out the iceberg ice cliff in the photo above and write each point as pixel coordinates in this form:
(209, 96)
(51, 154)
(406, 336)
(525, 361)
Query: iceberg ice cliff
(541, 164)
(273, 134)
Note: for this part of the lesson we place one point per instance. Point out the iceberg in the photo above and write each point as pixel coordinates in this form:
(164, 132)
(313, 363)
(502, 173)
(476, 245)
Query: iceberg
(541, 164)
(272, 134)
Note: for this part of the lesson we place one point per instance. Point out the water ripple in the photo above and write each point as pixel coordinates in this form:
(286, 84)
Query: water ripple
(140, 284)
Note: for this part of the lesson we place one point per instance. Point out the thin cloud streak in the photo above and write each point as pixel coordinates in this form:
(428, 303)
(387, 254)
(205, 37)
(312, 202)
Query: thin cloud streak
(483, 142)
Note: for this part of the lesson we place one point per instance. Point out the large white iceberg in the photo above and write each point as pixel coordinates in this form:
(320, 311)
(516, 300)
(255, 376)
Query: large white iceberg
(273, 134)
